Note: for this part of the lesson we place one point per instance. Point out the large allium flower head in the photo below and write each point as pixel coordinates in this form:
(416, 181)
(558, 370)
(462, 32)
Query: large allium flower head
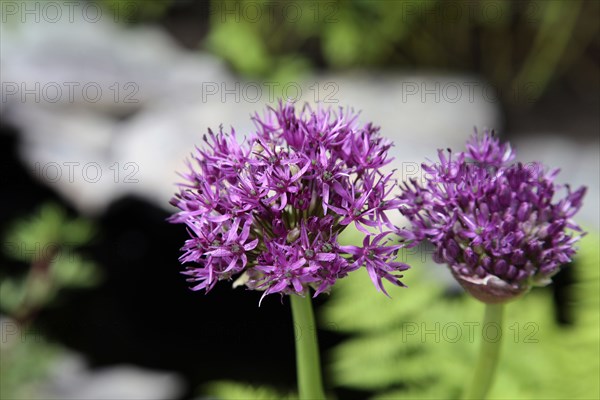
(267, 209)
(497, 224)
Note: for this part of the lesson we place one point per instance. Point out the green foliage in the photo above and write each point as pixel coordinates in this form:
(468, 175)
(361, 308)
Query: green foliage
(249, 37)
(135, 10)
(26, 356)
(49, 227)
(48, 243)
(231, 40)
(422, 343)
(228, 390)
(520, 47)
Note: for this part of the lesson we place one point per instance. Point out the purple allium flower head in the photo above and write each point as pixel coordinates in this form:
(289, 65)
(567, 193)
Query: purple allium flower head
(496, 223)
(268, 209)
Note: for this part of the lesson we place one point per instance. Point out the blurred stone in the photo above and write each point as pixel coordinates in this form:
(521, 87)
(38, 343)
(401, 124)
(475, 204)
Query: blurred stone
(71, 379)
(66, 375)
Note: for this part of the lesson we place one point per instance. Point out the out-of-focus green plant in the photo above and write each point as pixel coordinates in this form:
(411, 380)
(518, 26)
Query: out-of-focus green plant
(135, 10)
(230, 390)
(422, 344)
(265, 39)
(26, 357)
(47, 243)
(518, 46)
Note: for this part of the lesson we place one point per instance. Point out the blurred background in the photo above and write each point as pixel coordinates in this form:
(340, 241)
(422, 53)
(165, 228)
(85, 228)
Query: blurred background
(102, 101)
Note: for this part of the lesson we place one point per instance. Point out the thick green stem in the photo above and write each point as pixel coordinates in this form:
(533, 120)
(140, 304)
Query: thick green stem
(489, 352)
(308, 364)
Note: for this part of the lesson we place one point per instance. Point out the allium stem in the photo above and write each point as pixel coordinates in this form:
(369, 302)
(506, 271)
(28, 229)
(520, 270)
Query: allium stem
(488, 354)
(308, 365)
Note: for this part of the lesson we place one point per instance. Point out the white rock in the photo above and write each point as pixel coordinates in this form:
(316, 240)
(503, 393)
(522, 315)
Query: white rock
(71, 379)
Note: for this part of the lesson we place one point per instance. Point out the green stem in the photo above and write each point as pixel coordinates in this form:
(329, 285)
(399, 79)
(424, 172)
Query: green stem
(308, 365)
(489, 353)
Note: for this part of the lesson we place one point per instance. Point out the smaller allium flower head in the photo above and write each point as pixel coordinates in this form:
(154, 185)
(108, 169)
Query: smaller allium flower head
(496, 223)
(268, 209)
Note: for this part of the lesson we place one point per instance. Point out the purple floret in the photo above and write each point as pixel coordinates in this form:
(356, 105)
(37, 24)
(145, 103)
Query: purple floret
(268, 209)
(493, 221)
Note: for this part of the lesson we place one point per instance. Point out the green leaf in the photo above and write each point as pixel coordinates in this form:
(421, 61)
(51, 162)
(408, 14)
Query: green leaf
(46, 241)
(73, 271)
(241, 45)
(342, 42)
(12, 293)
(229, 390)
(25, 357)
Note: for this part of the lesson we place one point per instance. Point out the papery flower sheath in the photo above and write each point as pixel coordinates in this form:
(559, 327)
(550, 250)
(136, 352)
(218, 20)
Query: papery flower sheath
(497, 224)
(267, 209)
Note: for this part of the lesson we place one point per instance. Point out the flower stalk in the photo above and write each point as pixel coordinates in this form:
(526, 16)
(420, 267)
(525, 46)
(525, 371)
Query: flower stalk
(308, 365)
(489, 354)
